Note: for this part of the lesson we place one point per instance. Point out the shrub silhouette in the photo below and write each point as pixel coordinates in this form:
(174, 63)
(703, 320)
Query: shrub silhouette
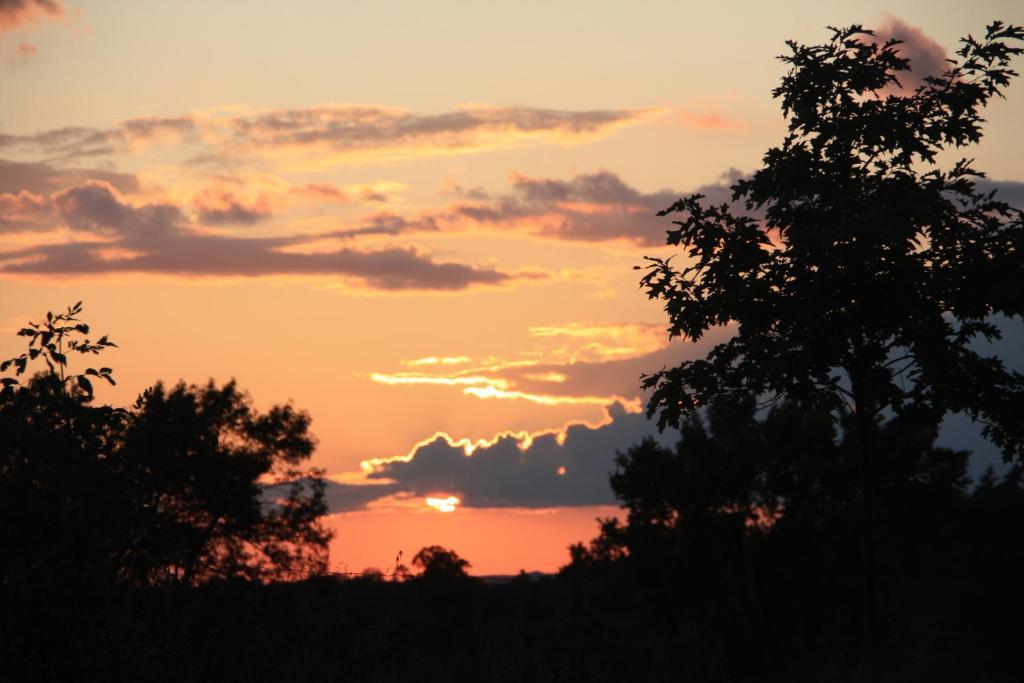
(437, 563)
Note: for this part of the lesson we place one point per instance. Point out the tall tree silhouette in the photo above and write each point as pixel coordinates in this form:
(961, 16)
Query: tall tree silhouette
(861, 273)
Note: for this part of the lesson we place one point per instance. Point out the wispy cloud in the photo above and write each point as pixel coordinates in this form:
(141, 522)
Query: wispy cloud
(119, 236)
(245, 200)
(329, 135)
(343, 131)
(708, 119)
(75, 142)
(543, 374)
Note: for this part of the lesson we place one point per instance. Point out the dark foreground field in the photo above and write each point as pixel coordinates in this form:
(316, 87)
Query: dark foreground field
(936, 627)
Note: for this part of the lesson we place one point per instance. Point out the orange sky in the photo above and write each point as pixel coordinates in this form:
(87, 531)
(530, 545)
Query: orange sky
(407, 218)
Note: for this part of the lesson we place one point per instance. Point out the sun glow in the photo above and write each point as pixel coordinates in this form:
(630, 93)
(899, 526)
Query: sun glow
(447, 504)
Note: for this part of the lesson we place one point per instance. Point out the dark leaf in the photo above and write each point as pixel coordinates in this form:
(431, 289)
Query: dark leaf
(85, 384)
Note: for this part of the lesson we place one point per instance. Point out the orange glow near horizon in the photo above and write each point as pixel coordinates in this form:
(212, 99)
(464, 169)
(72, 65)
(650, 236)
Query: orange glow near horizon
(494, 540)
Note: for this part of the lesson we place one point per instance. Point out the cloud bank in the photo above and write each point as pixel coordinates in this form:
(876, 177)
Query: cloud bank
(592, 207)
(553, 469)
(119, 236)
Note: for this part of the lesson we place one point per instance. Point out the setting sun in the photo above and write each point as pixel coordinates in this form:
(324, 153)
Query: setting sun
(447, 504)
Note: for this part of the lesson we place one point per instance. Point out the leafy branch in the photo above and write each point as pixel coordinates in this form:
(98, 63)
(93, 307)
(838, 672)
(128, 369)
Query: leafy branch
(52, 340)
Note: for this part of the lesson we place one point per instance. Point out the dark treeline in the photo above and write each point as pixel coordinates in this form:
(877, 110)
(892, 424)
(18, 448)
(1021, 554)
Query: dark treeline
(805, 528)
(738, 560)
(751, 530)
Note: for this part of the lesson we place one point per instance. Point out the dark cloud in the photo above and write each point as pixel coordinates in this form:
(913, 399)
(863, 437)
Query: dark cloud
(386, 224)
(96, 207)
(43, 178)
(505, 474)
(16, 13)
(159, 239)
(927, 57)
(233, 213)
(340, 497)
(26, 190)
(75, 142)
(589, 208)
(450, 187)
(349, 497)
(1009, 191)
(224, 208)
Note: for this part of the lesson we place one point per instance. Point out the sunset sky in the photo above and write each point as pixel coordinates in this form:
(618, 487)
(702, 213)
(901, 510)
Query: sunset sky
(417, 221)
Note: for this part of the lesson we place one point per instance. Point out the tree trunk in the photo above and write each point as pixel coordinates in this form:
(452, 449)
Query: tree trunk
(869, 616)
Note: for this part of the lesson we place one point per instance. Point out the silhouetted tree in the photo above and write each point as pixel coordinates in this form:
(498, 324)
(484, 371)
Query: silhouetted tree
(861, 273)
(437, 563)
(749, 519)
(191, 484)
(872, 269)
(222, 492)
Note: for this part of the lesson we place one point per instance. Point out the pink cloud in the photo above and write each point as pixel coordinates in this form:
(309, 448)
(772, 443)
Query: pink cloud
(23, 53)
(221, 207)
(709, 120)
(22, 211)
(17, 13)
(927, 57)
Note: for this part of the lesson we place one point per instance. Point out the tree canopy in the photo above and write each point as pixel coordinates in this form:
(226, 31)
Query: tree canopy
(858, 267)
(190, 484)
